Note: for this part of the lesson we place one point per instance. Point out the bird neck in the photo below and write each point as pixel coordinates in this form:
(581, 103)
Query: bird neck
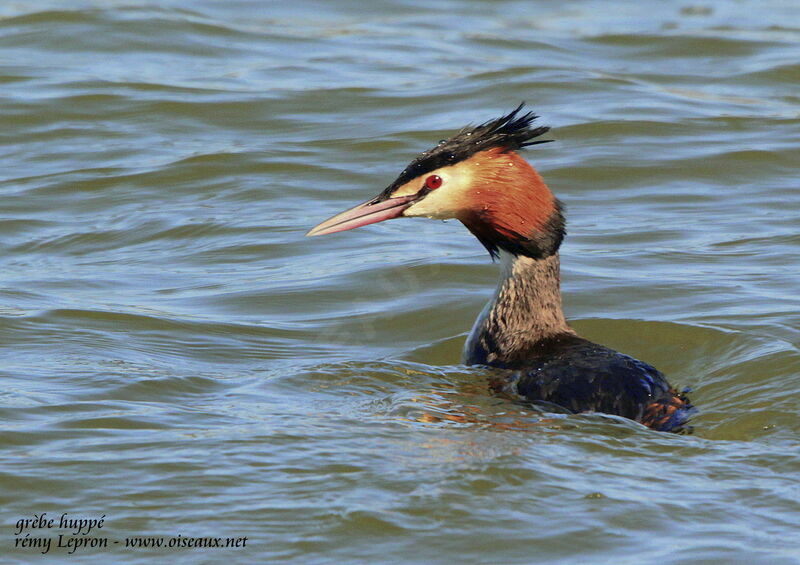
(524, 313)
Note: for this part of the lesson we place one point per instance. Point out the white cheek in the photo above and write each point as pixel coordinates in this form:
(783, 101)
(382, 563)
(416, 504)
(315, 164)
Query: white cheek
(442, 203)
(435, 205)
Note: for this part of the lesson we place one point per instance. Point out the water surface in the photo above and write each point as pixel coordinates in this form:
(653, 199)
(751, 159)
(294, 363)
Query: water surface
(179, 358)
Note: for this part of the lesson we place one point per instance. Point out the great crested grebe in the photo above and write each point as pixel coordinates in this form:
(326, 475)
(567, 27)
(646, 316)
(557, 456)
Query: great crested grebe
(478, 177)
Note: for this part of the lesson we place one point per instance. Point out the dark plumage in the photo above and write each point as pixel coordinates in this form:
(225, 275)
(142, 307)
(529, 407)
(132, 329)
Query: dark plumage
(581, 376)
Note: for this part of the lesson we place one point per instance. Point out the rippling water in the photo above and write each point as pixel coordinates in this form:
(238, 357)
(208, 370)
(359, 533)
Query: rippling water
(179, 358)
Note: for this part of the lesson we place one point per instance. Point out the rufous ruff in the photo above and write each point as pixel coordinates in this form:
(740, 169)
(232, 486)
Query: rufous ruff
(478, 177)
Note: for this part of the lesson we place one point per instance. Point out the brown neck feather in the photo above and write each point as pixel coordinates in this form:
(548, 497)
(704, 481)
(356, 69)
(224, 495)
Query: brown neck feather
(512, 208)
(524, 313)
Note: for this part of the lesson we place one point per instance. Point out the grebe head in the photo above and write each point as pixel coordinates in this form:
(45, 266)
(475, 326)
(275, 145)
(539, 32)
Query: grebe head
(477, 177)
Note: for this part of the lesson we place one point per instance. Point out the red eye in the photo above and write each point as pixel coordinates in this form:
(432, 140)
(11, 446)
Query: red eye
(433, 182)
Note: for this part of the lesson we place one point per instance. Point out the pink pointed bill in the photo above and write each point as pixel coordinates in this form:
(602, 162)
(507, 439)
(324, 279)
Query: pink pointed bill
(365, 214)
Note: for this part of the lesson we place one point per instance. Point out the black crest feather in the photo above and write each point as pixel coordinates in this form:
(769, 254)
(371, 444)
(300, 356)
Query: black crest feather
(510, 132)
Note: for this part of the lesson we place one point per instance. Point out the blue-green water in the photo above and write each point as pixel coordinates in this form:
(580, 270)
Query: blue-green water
(178, 358)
